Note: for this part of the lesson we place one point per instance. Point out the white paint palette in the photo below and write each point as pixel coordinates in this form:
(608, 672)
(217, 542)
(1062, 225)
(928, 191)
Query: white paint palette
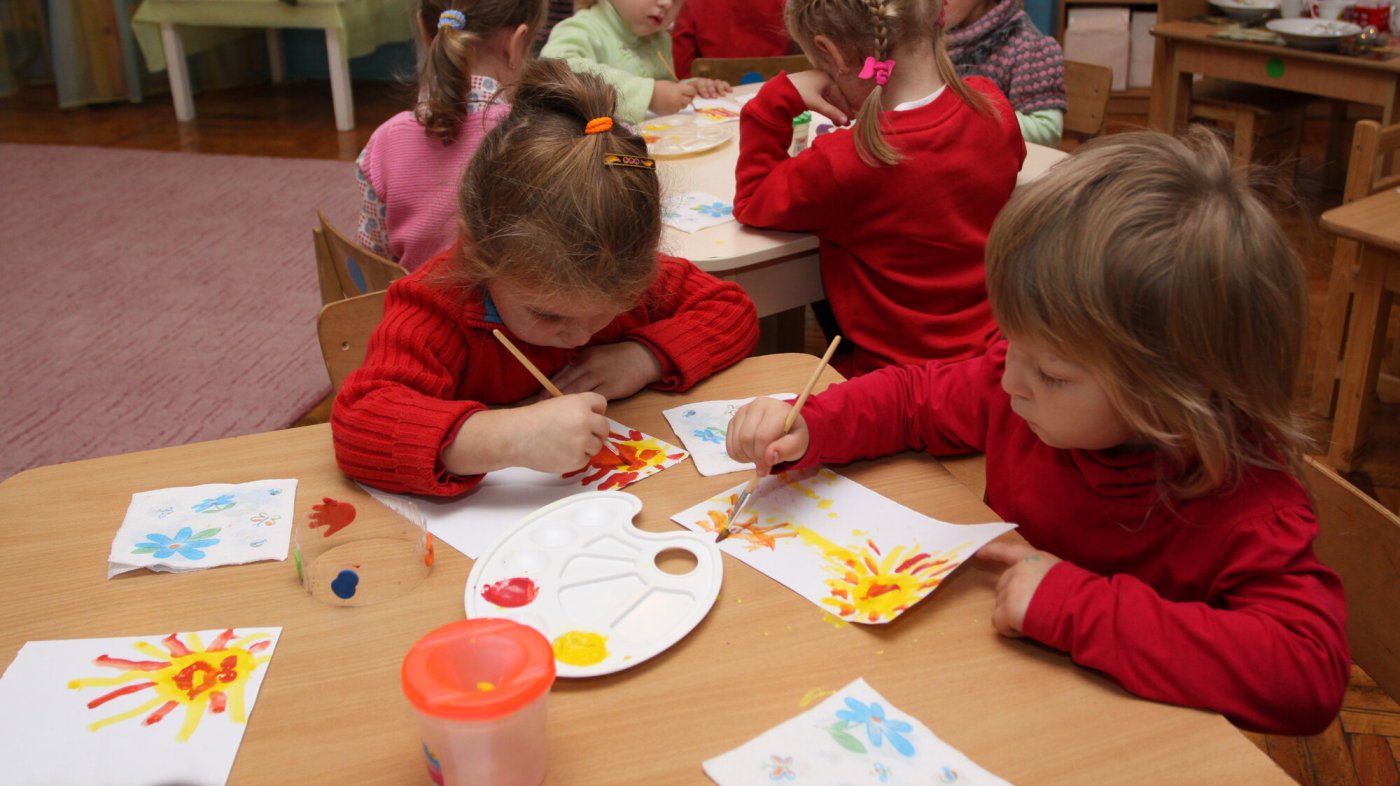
(580, 573)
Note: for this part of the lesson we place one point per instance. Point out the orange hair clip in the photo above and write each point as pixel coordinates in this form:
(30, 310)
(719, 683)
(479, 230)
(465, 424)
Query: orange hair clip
(598, 125)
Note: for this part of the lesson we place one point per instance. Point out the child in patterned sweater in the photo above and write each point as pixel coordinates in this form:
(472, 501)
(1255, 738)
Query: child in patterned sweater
(997, 40)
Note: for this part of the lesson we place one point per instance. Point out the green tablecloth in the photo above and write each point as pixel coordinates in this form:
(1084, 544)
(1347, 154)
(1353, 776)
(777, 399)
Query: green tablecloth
(364, 25)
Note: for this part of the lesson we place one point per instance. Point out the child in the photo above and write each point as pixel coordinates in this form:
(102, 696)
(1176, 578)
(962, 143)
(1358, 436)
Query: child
(903, 202)
(728, 28)
(997, 40)
(561, 219)
(1139, 428)
(410, 168)
(628, 43)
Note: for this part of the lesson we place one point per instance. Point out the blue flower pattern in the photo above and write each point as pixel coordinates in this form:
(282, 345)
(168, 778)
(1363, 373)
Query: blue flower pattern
(187, 543)
(214, 504)
(712, 434)
(715, 210)
(877, 727)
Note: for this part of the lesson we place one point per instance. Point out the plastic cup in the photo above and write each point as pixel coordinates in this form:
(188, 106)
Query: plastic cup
(479, 688)
(358, 552)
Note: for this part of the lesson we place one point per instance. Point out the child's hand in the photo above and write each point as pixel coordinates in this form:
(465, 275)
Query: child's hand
(1018, 582)
(670, 97)
(610, 370)
(711, 88)
(819, 93)
(756, 434)
(555, 435)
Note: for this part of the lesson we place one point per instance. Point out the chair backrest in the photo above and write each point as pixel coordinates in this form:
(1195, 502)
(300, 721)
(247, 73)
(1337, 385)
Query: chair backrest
(1365, 174)
(1087, 87)
(346, 269)
(743, 70)
(344, 327)
(1360, 540)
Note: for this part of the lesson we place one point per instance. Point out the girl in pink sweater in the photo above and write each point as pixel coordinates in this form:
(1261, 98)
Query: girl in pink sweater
(409, 170)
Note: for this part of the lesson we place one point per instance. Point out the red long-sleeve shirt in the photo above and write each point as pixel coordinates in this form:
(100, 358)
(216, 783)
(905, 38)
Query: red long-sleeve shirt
(728, 28)
(1216, 602)
(902, 245)
(433, 362)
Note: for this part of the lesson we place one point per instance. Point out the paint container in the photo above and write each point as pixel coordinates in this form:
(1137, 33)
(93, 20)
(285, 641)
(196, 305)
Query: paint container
(479, 688)
(355, 551)
(801, 130)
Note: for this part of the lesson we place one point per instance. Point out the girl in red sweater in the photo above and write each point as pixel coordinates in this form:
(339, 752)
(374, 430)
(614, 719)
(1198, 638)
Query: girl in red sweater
(902, 202)
(1138, 426)
(561, 220)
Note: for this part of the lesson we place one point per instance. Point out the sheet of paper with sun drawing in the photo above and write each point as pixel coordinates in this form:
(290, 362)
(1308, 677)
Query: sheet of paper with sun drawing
(717, 110)
(471, 522)
(702, 427)
(192, 527)
(693, 211)
(855, 736)
(164, 708)
(856, 554)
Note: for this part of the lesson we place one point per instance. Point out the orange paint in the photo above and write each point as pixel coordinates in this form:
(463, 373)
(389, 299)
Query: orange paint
(623, 460)
(872, 586)
(756, 535)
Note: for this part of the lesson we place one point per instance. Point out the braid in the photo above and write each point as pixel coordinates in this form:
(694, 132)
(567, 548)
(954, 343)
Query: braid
(882, 30)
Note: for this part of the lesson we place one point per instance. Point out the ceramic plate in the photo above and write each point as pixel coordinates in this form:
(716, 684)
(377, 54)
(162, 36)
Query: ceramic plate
(1248, 11)
(579, 573)
(1312, 33)
(680, 135)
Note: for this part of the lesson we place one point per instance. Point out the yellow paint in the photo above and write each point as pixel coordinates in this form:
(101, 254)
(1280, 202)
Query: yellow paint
(814, 695)
(825, 504)
(581, 648)
(872, 586)
(835, 621)
(484, 686)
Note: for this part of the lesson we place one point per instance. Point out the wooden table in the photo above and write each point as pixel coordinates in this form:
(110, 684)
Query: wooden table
(1374, 222)
(1187, 49)
(780, 270)
(1020, 710)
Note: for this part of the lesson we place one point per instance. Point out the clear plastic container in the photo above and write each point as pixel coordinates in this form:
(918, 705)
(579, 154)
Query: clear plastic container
(479, 688)
(358, 552)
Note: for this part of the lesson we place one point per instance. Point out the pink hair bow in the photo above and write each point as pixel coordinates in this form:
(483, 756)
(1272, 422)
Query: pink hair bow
(879, 69)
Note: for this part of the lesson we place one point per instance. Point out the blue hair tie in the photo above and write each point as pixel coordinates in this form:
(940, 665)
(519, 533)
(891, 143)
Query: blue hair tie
(453, 19)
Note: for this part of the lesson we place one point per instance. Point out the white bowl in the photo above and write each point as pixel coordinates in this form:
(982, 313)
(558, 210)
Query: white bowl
(1313, 33)
(1247, 11)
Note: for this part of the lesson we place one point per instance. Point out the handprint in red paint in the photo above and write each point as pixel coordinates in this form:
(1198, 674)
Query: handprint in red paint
(332, 514)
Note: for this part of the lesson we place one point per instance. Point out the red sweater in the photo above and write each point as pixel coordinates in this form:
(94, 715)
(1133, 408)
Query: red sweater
(728, 28)
(1218, 603)
(433, 362)
(901, 246)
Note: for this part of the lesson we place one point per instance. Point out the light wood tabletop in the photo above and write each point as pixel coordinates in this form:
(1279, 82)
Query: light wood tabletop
(331, 709)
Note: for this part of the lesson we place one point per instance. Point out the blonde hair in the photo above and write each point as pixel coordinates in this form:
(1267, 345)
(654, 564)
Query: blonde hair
(543, 207)
(866, 28)
(1147, 260)
(445, 73)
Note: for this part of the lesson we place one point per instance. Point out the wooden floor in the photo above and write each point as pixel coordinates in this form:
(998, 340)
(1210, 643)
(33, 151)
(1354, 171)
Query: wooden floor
(296, 120)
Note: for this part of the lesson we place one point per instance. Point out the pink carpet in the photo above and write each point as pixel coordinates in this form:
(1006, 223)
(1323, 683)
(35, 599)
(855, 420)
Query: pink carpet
(154, 299)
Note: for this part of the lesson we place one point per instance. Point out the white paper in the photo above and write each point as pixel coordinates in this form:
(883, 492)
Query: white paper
(855, 736)
(55, 727)
(717, 110)
(855, 554)
(692, 211)
(702, 427)
(193, 527)
(472, 521)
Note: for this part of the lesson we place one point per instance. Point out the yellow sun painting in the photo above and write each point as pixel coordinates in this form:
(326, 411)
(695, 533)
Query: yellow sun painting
(185, 672)
(872, 586)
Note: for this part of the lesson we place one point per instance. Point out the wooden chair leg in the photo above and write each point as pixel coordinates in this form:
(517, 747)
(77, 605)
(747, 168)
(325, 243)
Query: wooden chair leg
(1365, 341)
(1334, 327)
(1244, 138)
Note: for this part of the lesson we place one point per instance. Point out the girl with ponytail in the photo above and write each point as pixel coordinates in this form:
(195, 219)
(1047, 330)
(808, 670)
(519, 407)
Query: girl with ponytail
(902, 202)
(560, 218)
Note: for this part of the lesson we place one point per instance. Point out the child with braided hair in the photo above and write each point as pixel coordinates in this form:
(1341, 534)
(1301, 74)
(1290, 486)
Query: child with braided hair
(902, 203)
(561, 223)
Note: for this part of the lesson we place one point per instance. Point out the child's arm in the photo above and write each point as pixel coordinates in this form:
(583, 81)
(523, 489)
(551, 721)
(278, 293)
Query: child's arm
(573, 41)
(554, 435)
(1043, 127)
(773, 190)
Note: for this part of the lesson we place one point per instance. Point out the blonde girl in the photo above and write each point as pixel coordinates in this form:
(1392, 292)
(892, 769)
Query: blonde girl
(1138, 425)
(409, 170)
(902, 202)
(561, 221)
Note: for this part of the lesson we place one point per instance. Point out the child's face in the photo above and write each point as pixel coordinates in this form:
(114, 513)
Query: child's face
(965, 12)
(1062, 401)
(550, 321)
(645, 17)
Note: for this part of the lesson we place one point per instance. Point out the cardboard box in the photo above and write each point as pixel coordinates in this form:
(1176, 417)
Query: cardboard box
(1140, 49)
(1100, 36)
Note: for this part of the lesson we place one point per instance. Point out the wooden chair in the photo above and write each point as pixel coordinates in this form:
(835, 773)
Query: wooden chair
(1365, 176)
(346, 269)
(1087, 87)
(344, 327)
(744, 70)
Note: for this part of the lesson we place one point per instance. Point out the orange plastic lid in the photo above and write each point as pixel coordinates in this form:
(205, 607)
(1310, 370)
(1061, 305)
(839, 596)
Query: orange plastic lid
(477, 670)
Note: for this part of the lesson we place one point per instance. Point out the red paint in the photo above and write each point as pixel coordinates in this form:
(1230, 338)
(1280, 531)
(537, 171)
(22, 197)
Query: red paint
(185, 679)
(907, 565)
(176, 647)
(877, 589)
(134, 665)
(511, 593)
(332, 514)
(164, 710)
(260, 646)
(221, 642)
(218, 701)
(103, 699)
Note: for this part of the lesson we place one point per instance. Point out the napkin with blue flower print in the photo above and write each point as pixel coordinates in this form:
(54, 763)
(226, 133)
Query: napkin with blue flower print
(693, 211)
(193, 527)
(852, 737)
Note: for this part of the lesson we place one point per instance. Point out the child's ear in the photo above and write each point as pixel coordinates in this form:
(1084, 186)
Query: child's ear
(518, 46)
(831, 53)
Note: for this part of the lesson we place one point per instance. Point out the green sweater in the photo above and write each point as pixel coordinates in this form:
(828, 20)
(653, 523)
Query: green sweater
(596, 40)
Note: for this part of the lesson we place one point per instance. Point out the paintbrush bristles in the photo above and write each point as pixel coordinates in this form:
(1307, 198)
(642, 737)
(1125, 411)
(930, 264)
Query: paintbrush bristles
(524, 361)
(811, 383)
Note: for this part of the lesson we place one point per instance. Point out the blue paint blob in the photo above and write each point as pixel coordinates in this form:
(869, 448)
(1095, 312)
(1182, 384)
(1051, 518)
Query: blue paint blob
(345, 583)
(356, 274)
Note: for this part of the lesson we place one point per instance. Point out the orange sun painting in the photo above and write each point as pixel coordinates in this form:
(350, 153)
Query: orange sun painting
(750, 532)
(203, 679)
(872, 586)
(627, 458)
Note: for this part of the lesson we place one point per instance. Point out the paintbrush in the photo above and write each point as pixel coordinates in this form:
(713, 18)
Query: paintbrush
(539, 375)
(670, 69)
(752, 485)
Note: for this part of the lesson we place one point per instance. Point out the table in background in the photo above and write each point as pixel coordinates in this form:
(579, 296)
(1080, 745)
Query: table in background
(1374, 222)
(1020, 710)
(353, 28)
(779, 270)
